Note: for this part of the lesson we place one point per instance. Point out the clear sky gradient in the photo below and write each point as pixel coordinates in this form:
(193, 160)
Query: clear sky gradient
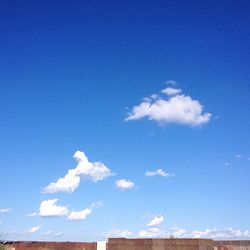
(80, 75)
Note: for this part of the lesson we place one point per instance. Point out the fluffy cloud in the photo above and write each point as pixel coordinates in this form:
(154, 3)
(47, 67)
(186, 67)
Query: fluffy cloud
(178, 108)
(95, 171)
(171, 91)
(80, 215)
(48, 208)
(150, 232)
(221, 233)
(118, 233)
(34, 229)
(159, 172)
(5, 210)
(156, 221)
(83, 214)
(124, 184)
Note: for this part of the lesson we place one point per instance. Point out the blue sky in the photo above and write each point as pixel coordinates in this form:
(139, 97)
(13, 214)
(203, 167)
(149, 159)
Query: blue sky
(155, 94)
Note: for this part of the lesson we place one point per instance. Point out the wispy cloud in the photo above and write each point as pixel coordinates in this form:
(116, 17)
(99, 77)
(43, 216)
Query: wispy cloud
(123, 184)
(95, 171)
(176, 108)
(177, 232)
(221, 233)
(32, 214)
(150, 232)
(171, 82)
(118, 233)
(58, 234)
(49, 232)
(159, 172)
(34, 230)
(5, 210)
(171, 91)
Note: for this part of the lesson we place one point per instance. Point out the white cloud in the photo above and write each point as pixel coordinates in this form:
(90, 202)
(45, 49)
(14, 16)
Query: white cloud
(171, 82)
(1, 222)
(66, 184)
(171, 91)
(159, 172)
(47, 233)
(124, 184)
(222, 233)
(59, 234)
(32, 214)
(95, 171)
(156, 221)
(178, 109)
(238, 156)
(34, 229)
(150, 232)
(96, 204)
(48, 208)
(80, 215)
(5, 210)
(118, 233)
(177, 232)
(83, 214)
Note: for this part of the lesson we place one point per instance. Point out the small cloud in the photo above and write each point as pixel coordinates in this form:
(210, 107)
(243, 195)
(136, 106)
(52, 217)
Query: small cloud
(59, 234)
(156, 221)
(171, 91)
(47, 233)
(83, 214)
(123, 184)
(227, 233)
(97, 204)
(177, 232)
(118, 233)
(150, 232)
(5, 210)
(48, 208)
(158, 172)
(80, 215)
(177, 109)
(226, 164)
(238, 156)
(171, 82)
(95, 171)
(34, 229)
(32, 214)
(1, 222)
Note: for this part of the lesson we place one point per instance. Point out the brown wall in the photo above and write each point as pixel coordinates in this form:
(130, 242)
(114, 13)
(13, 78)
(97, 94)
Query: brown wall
(232, 245)
(52, 246)
(136, 244)
(159, 244)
